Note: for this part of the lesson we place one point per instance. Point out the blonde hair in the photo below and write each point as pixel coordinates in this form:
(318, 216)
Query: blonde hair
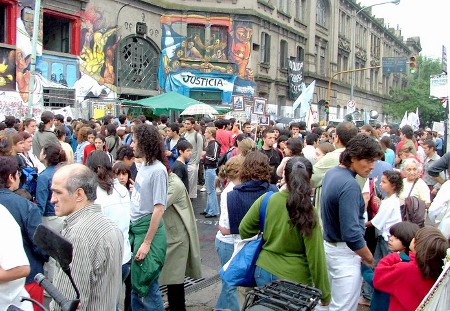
(245, 146)
(233, 167)
(212, 130)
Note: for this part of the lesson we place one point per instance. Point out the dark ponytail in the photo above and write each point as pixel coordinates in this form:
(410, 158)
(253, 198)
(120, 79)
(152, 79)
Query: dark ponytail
(297, 174)
(46, 117)
(100, 163)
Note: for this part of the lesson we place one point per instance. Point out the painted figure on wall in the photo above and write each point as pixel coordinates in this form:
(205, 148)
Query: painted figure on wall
(7, 69)
(241, 46)
(98, 47)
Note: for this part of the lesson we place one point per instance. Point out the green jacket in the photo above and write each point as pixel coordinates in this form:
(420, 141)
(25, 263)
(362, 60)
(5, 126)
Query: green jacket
(144, 272)
(286, 252)
(183, 246)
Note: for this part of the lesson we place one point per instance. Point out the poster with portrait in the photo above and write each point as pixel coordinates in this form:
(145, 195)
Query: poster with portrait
(254, 118)
(264, 119)
(238, 103)
(259, 105)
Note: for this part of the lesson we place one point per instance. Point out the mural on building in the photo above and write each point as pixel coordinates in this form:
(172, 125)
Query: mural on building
(207, 53)
(7, 69)
(99, 44)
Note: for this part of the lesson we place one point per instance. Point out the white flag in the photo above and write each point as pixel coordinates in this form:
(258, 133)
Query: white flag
(418, 118)
(404, 120)
(304, 100)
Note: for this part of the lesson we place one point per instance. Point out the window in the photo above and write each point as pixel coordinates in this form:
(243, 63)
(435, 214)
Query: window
(321, 11)
(338, 112)
(283, 54)
(195, 47)
(322, 61)
(2, 23)
(265, 48)
(206, 42)
(281, 103)
(299, 9)
(300, 56)
(61, 32)
(8, 9)
(58, 97)
(283, 6)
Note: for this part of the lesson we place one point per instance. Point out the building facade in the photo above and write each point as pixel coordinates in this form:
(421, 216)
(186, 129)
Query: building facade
(101, 51)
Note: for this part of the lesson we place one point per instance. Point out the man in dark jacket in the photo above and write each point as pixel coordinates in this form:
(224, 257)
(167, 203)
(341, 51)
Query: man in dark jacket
(28, 217)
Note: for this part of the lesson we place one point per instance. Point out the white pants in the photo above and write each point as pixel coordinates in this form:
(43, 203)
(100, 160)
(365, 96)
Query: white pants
(344, 271)
(193, 180)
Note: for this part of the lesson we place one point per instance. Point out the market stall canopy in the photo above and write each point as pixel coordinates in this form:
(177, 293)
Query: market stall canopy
(164, 103)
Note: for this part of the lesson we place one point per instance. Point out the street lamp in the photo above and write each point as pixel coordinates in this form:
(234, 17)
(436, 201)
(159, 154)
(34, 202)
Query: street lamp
(353, 39)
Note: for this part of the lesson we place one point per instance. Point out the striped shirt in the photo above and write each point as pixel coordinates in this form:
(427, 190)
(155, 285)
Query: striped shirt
(97, 260)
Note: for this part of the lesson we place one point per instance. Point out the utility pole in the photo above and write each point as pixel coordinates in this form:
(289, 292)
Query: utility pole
(36, 23)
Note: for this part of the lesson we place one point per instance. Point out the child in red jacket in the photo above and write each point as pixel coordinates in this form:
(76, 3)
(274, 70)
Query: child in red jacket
(409, 282)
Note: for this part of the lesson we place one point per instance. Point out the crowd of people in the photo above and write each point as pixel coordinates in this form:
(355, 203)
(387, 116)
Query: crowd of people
(122, 190)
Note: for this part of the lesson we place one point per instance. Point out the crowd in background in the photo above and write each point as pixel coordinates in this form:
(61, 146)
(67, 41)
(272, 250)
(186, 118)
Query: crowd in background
(121, 191)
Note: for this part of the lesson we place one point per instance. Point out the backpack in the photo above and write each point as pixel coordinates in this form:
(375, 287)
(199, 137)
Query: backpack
(223, 159)
(413, 210)
(28, 180)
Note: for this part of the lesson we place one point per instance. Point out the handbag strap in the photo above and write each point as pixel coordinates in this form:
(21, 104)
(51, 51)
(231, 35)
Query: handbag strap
(262, 210)
(409, 194)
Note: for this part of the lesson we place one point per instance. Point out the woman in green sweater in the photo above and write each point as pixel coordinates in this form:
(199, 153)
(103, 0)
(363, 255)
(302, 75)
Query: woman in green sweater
(293, 244)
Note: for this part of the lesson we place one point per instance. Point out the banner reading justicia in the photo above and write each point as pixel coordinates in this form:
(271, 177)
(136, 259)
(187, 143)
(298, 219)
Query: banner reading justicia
(295, 78)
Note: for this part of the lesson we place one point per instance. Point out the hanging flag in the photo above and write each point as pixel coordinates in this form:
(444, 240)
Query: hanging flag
(404, 120)
(304, 100)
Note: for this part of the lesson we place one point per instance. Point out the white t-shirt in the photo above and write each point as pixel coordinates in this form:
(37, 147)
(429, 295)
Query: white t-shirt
(224, 220)
(12, 255)
(117, 207)
(388, 215)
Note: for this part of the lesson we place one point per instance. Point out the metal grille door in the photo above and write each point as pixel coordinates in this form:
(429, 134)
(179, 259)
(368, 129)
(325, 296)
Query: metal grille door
(138, 64)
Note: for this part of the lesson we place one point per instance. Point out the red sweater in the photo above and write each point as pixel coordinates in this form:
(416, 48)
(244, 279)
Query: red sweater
(87, 150)
(403, 281)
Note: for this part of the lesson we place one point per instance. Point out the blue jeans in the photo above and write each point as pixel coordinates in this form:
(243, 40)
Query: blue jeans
(212, 205)
(152, 302)
(262, 277)
(228, 298)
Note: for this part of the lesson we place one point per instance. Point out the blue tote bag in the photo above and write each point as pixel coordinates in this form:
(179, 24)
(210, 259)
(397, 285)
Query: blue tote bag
(240, 269)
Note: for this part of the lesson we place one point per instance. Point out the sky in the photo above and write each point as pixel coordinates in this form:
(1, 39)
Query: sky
(428, 19)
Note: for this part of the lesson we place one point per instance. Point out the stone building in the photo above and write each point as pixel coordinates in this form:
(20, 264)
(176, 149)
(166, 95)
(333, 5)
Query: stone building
(100, 51)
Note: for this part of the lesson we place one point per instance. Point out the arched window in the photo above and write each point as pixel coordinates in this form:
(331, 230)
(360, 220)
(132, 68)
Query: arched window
(321, 11)
(138, 63)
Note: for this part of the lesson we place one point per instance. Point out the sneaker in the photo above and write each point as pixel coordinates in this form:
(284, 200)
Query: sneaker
(203, 189)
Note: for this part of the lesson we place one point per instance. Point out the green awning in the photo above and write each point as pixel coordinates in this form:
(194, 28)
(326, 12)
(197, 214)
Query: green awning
(164, 103)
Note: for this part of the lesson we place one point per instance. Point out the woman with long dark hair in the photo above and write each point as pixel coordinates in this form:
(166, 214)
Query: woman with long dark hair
(113, 141)
(293, 243)
(45, 134)
(114, 200)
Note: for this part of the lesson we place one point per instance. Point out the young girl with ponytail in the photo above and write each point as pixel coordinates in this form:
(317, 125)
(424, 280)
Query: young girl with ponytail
(293, 244)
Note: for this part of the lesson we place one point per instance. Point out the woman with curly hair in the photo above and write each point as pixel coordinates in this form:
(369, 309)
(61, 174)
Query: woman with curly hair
(147, 231)
(293, 243)
(255, 181)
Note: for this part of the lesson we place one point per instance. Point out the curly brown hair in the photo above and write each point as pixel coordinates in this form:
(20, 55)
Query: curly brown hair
(256, 167)
(149, 143)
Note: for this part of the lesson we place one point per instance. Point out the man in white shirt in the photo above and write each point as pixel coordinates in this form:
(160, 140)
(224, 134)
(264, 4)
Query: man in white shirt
(14, 265)
(309, 150)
